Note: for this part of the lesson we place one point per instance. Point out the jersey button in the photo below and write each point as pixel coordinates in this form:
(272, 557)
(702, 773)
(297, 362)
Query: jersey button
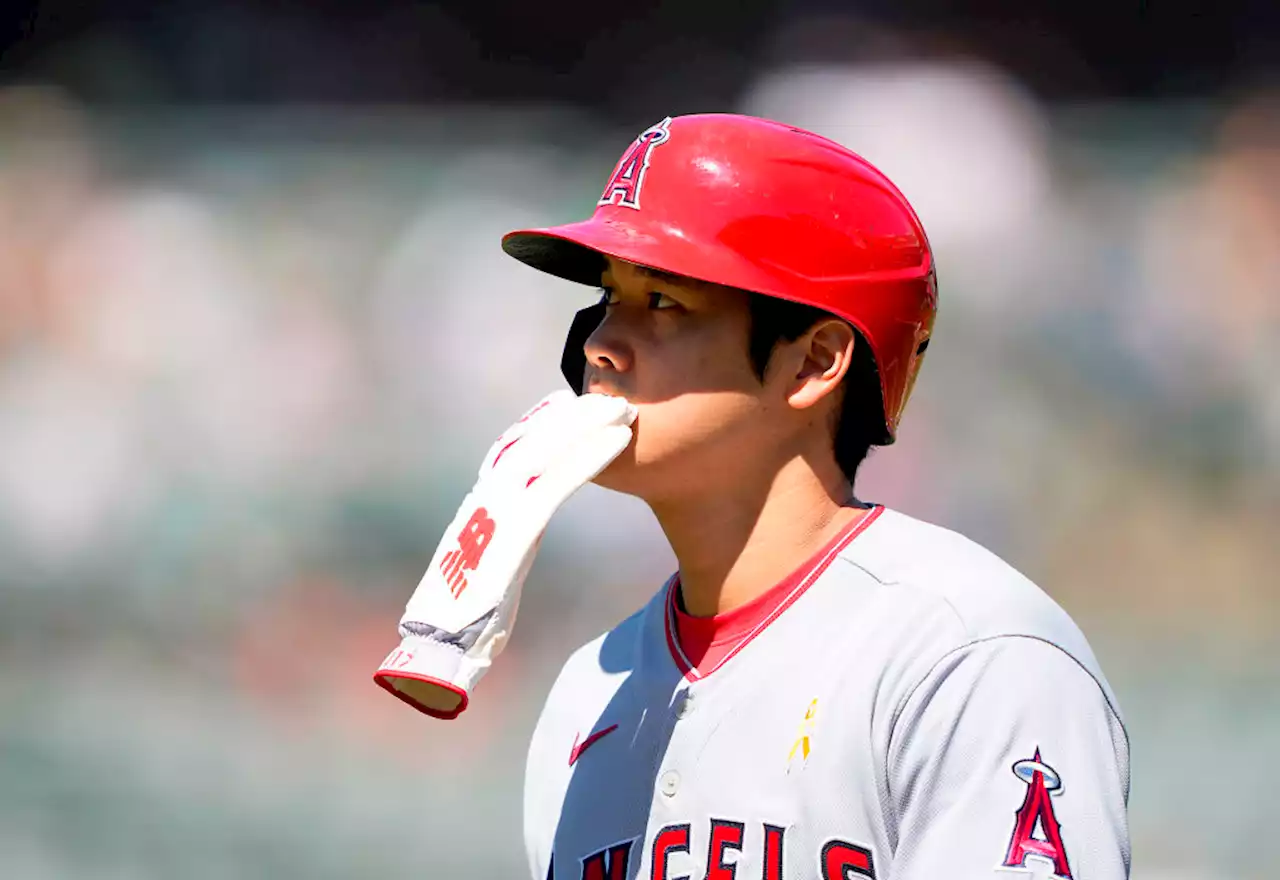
(670, 783)
(684, 704)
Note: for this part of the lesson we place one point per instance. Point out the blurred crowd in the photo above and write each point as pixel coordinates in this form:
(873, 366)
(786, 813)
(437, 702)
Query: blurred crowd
(249, 361)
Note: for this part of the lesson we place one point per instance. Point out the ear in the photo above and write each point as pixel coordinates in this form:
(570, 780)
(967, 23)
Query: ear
(821, 358)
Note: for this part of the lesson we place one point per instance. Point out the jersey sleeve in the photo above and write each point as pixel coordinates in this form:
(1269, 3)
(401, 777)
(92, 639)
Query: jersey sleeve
(1008, 755)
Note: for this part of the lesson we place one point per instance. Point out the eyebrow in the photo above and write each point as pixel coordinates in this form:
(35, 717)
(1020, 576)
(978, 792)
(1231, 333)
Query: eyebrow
(670, 277)
(673, 278)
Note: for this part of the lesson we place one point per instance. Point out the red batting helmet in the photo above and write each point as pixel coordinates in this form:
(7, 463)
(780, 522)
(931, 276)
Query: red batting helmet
(764, 207)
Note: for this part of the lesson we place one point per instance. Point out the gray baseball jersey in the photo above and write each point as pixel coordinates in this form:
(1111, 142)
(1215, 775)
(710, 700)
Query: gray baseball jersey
(915, 710)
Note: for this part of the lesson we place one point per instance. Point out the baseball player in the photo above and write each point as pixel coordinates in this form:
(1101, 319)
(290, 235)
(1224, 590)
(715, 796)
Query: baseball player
(826, 688)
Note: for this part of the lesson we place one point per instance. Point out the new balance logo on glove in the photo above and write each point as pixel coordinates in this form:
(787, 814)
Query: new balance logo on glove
(472, 540)
(447, 644)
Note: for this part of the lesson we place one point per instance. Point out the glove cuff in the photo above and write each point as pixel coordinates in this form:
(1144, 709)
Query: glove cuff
(423, 673)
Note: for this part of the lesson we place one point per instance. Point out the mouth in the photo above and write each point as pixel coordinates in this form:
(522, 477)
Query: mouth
(594, 386)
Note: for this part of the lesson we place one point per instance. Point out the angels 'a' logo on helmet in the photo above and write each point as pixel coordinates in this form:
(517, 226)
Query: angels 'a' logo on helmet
(624, 185)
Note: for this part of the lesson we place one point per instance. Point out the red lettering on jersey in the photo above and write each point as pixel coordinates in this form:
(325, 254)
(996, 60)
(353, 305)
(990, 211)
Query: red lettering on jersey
(623, 188)
(773, 839)
(611, 863)
(472, 541)
(724, 835)
(1042, 781)
(843, 861)
(673, 838)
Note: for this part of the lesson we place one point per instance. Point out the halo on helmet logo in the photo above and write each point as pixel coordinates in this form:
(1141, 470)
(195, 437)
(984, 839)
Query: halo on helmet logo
(623, 188)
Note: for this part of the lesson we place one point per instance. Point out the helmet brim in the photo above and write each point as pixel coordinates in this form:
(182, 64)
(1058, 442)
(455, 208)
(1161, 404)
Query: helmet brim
(576, 251)
(558, 251)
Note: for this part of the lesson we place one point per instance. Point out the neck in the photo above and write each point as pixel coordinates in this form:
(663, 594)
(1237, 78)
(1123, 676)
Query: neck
(736, 542)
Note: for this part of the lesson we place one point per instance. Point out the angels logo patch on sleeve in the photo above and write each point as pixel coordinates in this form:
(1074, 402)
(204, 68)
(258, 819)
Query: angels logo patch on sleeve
(1037, 835)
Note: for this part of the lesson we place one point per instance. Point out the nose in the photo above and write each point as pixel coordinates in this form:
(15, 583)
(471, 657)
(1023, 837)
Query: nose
(607, 349)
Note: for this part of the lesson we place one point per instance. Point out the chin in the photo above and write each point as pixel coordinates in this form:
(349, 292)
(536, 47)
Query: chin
(647, 473)
(622, 474)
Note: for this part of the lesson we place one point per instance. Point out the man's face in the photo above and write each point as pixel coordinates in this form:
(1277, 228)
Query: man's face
(677, 349)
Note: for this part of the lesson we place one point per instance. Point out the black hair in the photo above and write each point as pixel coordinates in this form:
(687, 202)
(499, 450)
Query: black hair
(860, 424)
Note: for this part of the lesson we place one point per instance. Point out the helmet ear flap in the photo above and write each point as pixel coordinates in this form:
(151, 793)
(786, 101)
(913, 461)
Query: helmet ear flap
(573, 362)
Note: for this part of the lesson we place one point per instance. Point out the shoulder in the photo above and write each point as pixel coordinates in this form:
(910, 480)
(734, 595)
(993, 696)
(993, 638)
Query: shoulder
(945, 593)
(1013, 682)
(931, 567)
(594, 672)
(608, 654)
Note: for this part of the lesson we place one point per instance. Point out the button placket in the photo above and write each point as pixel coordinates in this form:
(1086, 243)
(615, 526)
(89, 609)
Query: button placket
(669, 783)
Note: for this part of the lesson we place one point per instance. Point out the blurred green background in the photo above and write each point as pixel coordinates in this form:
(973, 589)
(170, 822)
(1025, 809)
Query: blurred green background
(252, 348)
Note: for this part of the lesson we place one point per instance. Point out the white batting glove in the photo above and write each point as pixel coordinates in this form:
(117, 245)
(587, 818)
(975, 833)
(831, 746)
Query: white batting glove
(460, 616)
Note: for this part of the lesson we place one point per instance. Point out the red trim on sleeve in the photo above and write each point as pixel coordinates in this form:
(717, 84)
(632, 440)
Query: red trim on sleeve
(701, 645)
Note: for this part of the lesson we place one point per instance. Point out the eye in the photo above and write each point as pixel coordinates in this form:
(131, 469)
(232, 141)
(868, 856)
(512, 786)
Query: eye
(659, 301)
